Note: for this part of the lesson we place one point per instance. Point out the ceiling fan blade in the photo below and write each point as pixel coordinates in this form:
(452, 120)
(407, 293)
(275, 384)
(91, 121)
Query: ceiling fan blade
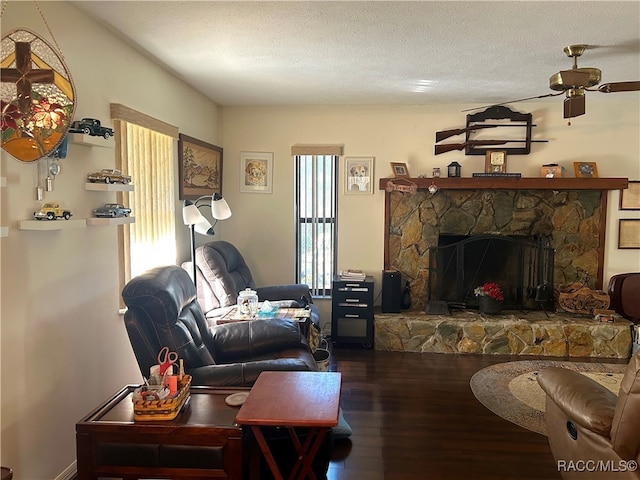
(515, 101)
(574, 106)
(619, 87)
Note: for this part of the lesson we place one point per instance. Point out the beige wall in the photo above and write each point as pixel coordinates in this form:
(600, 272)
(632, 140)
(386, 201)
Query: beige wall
(262, 225)
(64, 348)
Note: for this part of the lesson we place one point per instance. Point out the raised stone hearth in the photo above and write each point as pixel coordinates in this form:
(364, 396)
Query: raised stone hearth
(512, 332)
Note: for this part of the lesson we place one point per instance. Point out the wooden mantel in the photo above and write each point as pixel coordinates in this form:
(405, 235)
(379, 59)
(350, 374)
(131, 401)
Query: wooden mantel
(506, 183)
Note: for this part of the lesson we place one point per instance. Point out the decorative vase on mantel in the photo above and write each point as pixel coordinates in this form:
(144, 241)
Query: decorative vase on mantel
(490, 305)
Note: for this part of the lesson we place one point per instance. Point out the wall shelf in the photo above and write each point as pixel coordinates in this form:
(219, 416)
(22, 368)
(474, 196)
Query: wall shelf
(524, 183)
(59, 224)
(99, 221)
(89, 140)
(109, 187)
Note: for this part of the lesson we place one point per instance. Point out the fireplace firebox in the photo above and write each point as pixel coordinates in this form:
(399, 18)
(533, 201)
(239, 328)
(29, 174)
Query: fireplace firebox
(522, 266)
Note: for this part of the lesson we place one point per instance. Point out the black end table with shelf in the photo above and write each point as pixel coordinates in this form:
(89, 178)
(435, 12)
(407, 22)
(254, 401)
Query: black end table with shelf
(352, 311)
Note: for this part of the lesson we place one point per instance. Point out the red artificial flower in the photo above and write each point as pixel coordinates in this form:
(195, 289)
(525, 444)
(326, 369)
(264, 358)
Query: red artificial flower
(492, 290)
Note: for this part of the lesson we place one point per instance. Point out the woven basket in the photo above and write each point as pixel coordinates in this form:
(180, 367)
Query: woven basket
(166, 409)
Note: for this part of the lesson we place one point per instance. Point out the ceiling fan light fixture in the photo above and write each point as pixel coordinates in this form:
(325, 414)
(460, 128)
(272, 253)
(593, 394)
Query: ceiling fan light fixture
(575, 78)
(574, 106)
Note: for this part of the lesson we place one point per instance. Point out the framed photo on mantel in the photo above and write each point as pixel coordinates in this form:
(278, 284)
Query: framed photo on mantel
(585, 169)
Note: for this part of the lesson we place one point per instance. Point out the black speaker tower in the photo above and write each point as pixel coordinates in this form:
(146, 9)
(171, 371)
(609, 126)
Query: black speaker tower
(391, 291)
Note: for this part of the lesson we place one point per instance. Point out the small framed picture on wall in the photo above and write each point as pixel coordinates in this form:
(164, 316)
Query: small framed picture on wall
(256, 172)
(358, 175)
(630, 196)
(629, 233)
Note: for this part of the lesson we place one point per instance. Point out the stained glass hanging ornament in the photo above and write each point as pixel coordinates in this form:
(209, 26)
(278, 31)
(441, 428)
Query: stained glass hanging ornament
(37, 95)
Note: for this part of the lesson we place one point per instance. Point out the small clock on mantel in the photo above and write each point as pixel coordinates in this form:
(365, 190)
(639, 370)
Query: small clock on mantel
(495, 161)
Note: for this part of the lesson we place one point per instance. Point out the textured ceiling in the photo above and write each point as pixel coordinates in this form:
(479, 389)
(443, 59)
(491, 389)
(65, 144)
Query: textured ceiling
(372, 52)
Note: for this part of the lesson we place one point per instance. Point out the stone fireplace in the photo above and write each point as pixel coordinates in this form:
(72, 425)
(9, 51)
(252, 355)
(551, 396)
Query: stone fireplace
(573, 221)
(532, 232)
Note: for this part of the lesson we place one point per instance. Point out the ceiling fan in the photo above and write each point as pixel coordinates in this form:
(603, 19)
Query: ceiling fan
(576, 82)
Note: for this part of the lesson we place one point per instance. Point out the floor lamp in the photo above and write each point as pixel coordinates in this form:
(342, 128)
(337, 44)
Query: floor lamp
(197, 222)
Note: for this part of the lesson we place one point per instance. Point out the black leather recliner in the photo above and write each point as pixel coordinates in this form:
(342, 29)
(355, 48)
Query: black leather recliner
(162, 310)
(222, 273)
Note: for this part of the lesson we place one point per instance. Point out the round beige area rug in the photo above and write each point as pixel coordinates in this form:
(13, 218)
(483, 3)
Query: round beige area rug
(511, 389)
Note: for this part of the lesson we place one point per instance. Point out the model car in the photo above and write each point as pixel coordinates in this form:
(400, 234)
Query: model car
(90, 126)
(52, 211)
(112, 210)
(109, 175)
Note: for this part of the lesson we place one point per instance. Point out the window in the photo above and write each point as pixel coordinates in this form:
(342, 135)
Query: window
(146, 153)
(316, 218)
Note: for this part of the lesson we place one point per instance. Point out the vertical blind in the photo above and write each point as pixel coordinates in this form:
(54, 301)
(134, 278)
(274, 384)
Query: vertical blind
(316, 215)
(145, 149)
(151, 240)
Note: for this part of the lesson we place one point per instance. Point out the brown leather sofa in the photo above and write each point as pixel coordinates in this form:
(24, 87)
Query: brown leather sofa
(593, 434)
(624, 292)
(162, 310)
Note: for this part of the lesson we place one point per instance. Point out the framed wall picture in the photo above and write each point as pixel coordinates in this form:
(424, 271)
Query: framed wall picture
(629, 233)
(495, 161)
(358, 175)
(630, 196)
(585, 169)
(400, 170)
(199, 168)
(256, 172)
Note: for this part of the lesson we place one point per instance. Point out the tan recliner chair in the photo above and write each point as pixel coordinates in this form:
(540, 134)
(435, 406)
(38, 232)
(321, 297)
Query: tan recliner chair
(593, 433)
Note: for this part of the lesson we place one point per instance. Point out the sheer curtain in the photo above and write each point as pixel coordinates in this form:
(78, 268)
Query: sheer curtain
(146, 150)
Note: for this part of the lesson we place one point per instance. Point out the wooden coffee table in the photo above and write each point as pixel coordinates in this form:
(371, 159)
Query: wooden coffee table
(203, 441)
(289, 400)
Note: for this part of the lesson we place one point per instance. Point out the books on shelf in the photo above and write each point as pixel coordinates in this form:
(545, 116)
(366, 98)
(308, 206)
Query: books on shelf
(498, 174)
(352, 274)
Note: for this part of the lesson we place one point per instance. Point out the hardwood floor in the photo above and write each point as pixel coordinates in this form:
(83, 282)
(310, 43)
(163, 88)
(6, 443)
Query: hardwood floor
(414, 417)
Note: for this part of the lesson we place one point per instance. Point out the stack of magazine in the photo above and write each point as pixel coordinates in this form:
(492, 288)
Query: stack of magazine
(353, 275)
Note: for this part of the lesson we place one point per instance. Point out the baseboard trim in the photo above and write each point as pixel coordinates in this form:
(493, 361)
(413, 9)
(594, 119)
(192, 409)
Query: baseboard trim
(69, 473)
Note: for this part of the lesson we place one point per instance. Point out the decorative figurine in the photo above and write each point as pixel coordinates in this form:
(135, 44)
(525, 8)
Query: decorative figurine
(52, 211)
(90, 126)
(112, 210)
(109, 175)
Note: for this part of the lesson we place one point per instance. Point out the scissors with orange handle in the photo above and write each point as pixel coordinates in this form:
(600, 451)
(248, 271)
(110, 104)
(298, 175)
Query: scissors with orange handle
(166, 359)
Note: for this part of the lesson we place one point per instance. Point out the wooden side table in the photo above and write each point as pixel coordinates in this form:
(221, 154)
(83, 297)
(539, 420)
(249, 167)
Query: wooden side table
(289, 400)
(203, 441)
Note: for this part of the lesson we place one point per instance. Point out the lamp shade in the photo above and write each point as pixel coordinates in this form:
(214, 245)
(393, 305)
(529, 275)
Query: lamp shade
(219, 207)
(190, 214)
(204, 228)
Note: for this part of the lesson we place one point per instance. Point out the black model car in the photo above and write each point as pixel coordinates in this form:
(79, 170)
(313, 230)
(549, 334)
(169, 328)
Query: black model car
(90, 126)
(112, 210)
